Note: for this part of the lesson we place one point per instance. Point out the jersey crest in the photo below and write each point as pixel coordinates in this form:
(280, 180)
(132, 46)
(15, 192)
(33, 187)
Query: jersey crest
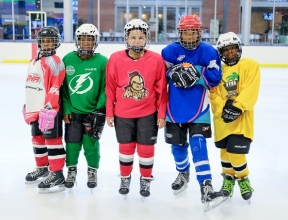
(136, 87)
(231, 85)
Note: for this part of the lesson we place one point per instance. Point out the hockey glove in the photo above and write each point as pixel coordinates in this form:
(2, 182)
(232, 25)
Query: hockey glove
(46, 119)
(230, 112)
(184, 75)
(94, 124)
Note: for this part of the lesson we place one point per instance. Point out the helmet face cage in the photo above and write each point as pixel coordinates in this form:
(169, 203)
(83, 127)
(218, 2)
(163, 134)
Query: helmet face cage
(189, 25)
(225, 40)
(48, 34)
(86, 30)
(137, 24)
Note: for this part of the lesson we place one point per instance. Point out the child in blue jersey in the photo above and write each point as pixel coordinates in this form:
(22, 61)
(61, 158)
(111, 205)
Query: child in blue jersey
(194, 67)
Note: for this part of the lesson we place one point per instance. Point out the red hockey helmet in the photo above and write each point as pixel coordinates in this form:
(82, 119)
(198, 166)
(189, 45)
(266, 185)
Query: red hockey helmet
(189, 22)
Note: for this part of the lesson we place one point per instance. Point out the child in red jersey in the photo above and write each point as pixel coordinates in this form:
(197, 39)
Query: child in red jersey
(136, 103)
(42, 111)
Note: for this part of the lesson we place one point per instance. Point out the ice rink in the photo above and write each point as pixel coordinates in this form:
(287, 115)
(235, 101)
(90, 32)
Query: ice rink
(267, 161)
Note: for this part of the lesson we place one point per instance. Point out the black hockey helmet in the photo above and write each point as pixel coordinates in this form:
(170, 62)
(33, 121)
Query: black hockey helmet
(52, 33)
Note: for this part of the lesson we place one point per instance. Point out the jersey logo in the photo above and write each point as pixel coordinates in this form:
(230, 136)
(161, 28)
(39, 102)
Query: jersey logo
(33, 78)
(70, 70)
(180, 58)
(81, 84)
(135, 88)
(231, 85)
(54, 90)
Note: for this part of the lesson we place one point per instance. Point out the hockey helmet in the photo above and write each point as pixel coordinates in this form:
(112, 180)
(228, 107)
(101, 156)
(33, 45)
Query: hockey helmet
(137, 24)
(225, 40)
(50, 33)
(86, 30)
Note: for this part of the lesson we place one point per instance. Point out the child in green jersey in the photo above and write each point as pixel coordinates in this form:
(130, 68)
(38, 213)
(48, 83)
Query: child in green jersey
(84, 102)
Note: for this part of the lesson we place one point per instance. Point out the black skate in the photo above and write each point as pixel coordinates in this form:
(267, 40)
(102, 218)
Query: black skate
(245, 189)
(71, 178)
(181, 183)
(55, 182)
(92, 178)
(227, 188)
(210, 198)
(125, 185)
(37, 175)
(145, 186)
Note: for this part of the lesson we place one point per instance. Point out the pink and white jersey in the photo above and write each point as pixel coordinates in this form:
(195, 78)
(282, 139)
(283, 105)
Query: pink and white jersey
(43, 82)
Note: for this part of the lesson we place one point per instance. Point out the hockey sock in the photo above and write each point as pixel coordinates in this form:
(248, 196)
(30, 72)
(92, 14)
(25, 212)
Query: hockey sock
(146, 159)
(91, 151)
(225, 163)
(56, 154)
(200, 158)
(181, 158)
(126, 157)
(40, 151)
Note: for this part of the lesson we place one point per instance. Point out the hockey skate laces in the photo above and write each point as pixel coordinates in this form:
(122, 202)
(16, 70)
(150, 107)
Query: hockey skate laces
(124, 182)
(245, 187)
(91, 176)
(35, 172)
(50, 177)
(71, 176)
(206, 190)
(145, 184)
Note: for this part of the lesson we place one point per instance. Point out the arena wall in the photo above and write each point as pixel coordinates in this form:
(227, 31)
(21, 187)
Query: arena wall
(267, 56)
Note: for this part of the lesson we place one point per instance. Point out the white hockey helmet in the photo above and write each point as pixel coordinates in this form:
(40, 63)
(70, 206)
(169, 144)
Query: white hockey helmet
(137, 24)
(229, 39)
(87, 30)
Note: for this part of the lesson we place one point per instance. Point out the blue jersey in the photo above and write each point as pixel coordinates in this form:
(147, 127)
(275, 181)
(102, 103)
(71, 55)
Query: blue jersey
(192, 104)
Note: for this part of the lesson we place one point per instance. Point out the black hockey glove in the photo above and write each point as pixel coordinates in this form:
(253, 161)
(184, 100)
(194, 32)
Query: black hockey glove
(184, 75)
(230, 112)
(94, 123)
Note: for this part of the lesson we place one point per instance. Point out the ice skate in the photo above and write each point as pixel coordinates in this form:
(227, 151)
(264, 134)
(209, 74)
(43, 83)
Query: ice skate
(125, 185)
(245, 189)
(92, 178)
(37, 175)
(227, 188)
(55, 182)
(71, 178)
(181, 183)
(145, 186)
(210, 198)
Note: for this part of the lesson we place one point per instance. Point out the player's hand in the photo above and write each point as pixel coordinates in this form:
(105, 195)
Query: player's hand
(110, 121)
(161, 123)
(67, 118)
(230, 112)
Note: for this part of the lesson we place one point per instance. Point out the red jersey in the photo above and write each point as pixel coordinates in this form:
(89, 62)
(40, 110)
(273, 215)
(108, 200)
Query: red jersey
(136, 88)
(43, 82)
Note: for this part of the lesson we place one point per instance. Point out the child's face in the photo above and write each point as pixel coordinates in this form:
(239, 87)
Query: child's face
(47, 43)
(136, 38)
(86, 42)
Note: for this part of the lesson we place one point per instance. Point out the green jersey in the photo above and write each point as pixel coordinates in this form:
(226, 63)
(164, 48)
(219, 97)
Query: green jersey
(84, 84)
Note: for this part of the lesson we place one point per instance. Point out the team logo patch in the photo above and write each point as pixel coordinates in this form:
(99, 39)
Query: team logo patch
(205, 128)
(136, 87)
(169, 135)
(70, 70)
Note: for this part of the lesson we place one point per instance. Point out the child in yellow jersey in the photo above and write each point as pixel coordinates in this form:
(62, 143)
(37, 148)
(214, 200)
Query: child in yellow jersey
(233, 103)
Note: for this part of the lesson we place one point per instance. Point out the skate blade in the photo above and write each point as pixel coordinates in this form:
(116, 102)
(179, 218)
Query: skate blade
(248, 201)
(59, 188)
(176, 192)
(213, 204)
(143, 198)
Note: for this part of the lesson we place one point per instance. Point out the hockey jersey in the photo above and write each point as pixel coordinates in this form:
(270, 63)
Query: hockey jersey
(84, 84)
(192, 104)
(43, 82)
(136, 88)
(240, 83)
